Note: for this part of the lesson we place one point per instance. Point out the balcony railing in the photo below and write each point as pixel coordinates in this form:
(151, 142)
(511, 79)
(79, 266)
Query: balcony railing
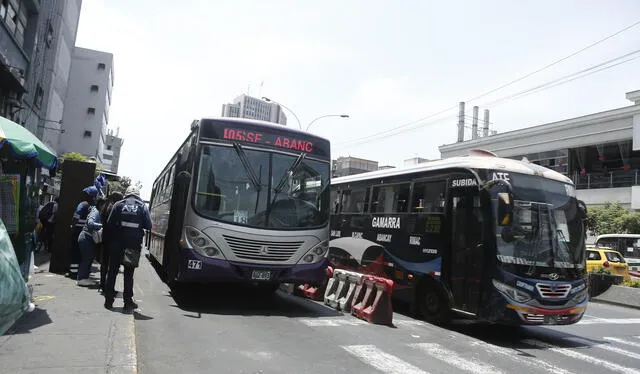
(610, 179)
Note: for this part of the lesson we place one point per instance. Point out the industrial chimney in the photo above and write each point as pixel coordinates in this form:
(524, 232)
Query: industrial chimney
(474, 126)
(461, 123)
(485, 128)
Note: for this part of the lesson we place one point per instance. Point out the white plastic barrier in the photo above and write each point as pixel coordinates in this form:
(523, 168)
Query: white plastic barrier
(340, 289)
(345, 301)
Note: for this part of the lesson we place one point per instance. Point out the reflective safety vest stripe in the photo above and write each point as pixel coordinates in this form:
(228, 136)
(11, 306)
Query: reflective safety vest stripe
(130, 224)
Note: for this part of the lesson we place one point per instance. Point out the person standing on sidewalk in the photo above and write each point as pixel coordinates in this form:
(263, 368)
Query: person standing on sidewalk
(106, 238)
(78, 221)
(126, 224)
(90, 237)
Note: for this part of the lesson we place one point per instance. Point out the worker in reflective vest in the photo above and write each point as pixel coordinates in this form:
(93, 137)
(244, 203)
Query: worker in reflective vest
(126, 224)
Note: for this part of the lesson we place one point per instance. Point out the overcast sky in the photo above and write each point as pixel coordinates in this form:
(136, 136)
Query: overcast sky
(385, 63)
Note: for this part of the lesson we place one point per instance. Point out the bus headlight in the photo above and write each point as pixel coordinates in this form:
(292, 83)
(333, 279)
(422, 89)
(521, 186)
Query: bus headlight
(579, 297)
(511, 292)
(200, 243)
(316, 254)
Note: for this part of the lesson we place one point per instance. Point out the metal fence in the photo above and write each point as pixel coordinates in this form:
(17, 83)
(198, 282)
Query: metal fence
(610, 179)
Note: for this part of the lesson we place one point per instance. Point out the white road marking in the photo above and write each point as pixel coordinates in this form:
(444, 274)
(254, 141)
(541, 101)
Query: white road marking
(582, 357)
(610, 321)
(454, 359)
(335, 322)
(622, 341)
(382, 361)
(515, 355)
(605, 347)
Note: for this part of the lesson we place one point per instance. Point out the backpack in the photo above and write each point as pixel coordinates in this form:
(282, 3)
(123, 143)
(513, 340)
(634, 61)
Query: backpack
(46, 212)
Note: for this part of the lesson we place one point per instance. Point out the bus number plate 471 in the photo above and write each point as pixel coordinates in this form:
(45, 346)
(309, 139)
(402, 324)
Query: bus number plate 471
(260, 275)
(194, 264)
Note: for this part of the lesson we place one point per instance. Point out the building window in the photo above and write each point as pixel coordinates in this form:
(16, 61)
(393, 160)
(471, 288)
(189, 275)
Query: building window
(108, 148)
(102, 66)
(49, 38)
(107, 157)
(87, 133)
(91, 110)
(37, 100)
(94, 88)
(14, 15)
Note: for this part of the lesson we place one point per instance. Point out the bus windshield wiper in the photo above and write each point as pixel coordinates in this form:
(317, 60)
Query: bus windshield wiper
(247, 167)
(285, 176)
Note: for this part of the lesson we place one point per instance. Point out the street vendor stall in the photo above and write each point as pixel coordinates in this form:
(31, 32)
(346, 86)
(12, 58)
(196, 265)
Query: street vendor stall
(22, 154)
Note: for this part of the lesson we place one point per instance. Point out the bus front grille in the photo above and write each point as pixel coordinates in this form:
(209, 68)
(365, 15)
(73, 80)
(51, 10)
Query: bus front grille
(553, 291)
(262, 250)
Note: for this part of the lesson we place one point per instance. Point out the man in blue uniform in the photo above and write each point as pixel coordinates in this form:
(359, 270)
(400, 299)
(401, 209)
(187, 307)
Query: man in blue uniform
(126, 224)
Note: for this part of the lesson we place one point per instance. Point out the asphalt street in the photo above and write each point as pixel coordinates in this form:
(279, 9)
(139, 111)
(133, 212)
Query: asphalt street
(235, 331)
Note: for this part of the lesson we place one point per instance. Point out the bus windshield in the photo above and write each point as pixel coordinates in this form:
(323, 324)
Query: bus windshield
(261, 188)
(547, 229)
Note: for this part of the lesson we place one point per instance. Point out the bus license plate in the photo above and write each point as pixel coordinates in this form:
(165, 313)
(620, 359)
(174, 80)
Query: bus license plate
(260, 275)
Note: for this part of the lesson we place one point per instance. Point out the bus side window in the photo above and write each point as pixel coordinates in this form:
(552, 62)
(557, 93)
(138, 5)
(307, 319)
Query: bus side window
(390, 199)
(428, 197)
(354, 200)
(335, 201)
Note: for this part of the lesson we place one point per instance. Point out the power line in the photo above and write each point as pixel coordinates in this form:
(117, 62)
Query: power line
(558, 61)
(358, 140)
(556, 82)
(568, 78)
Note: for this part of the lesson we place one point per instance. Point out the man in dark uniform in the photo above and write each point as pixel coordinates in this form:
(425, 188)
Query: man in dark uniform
(126, 224)
(106, 237)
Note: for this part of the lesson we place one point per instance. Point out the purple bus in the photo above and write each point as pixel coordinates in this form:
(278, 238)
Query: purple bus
(243, 201)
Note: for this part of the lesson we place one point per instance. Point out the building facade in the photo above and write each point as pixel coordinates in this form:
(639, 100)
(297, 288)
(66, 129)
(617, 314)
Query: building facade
(86, 106)
(48, 77)
(111, 154)
(352, 165)
(245, 106)
(600, 152)
(18, 28)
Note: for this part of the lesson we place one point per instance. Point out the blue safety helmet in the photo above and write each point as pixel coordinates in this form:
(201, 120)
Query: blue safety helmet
(91, 191)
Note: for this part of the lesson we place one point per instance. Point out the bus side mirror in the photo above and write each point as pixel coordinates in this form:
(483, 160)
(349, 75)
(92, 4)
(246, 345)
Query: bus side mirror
(505, 209)
(583, 209)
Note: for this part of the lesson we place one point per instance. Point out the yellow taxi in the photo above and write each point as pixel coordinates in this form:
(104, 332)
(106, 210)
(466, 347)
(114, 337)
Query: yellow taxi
(608, 259)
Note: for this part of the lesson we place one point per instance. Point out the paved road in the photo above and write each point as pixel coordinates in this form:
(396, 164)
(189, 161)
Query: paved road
(284, 334)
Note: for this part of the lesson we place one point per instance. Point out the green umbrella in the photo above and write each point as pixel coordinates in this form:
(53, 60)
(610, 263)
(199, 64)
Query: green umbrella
(18, 142)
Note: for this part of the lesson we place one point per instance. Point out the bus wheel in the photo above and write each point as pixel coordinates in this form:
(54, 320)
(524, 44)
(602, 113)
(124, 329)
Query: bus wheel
(433, 304)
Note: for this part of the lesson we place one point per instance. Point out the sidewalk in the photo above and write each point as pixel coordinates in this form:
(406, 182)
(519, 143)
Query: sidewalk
(69, 331)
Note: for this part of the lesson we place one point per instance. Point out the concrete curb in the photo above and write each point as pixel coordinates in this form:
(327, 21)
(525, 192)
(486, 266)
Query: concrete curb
(122, 356)
(621, 296)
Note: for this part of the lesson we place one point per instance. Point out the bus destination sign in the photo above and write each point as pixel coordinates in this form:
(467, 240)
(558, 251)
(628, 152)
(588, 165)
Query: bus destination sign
(268, 139)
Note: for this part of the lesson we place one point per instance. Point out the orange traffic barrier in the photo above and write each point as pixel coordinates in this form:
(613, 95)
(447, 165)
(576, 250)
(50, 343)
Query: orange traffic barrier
(372, 300)
(315, 293)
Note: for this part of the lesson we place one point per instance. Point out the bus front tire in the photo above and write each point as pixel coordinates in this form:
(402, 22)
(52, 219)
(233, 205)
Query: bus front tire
(433, 304)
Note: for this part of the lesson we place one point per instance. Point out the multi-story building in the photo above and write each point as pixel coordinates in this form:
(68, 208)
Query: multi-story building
(86, 107)
(48, 76)
(352, 165)
(600, 152)
(245, 106)
(18, 26)
(111, 155)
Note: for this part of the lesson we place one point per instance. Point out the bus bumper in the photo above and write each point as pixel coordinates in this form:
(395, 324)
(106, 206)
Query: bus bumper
(195, 268)
(523, 314)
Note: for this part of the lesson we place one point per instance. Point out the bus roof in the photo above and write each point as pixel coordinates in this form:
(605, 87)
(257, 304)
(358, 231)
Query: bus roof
(264, 124)
(470, 162)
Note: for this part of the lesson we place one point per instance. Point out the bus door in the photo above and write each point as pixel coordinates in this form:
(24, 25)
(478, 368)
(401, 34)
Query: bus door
(467, 257)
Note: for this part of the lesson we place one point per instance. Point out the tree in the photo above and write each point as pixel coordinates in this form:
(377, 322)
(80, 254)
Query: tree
(122, 185)
(75, 156)
(612, 218)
